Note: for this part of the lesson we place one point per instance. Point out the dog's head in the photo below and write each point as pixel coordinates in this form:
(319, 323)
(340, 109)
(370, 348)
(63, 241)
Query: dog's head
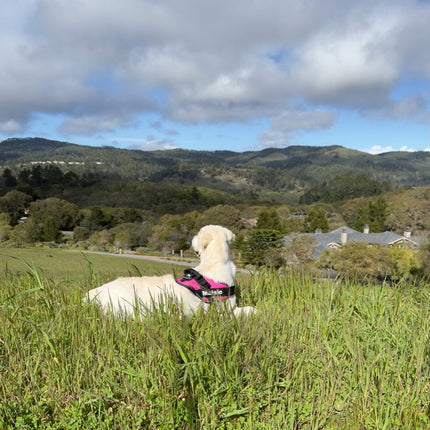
(213, 241)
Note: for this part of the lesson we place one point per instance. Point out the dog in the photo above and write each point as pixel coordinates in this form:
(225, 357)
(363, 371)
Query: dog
(212, 281)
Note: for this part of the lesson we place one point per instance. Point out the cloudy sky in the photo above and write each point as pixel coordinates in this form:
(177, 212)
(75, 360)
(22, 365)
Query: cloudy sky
(217, 74)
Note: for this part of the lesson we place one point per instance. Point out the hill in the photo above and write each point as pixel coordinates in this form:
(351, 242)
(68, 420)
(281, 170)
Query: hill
(280, 174)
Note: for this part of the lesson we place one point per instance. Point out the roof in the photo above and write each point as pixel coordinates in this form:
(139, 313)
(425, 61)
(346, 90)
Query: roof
(333, 239)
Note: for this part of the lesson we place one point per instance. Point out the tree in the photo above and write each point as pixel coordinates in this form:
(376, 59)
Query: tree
(130, 235)
(409, 214)
(24, 177)
(268, 219)
(26, 233)
(7, 180)
(131, 215)
(257, 245)
(378, 212)
(50, 231)
(300, 250)
(101, 239)
(225, 215)
(4, 226)
(345, 187)
(359, 261)
(123, 240)
(424, 259)
(15, 203)
(405, 263)
(80, 233)
(162, 238)
(96, 218)
(372, 212)
(182, 244)
(315, 219)
(64, 214)
(294, 223)
(361, 218)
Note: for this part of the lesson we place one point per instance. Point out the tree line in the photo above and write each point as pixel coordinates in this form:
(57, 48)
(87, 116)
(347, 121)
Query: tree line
(345, 187)
(36, 216)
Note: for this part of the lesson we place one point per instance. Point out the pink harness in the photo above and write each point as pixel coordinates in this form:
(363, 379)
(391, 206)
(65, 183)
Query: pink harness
(205, 288)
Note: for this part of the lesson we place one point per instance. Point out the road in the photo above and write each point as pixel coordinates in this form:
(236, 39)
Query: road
(146, 257)
(187, 262)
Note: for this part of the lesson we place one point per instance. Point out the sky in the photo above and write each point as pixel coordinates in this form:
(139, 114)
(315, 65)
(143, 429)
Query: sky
(239, 75)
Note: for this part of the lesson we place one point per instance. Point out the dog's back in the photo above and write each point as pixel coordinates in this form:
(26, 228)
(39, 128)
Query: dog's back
(126, 295)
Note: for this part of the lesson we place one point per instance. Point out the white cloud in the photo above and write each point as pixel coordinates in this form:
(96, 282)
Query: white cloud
(10, 126)
(150, 143)
(303, 120)
(404, 109)
(378, 149)
(350, 64)
(281, 126)
(274, 139)
(407, 149)
(93, 124)
(102, 63)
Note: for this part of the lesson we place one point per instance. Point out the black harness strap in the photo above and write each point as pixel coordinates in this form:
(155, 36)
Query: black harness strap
(193, 274)
(207, 292)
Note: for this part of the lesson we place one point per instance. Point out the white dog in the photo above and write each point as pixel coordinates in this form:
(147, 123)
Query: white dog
(212, 280)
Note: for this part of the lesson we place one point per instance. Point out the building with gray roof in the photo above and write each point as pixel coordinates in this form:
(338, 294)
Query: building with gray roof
(336, 238)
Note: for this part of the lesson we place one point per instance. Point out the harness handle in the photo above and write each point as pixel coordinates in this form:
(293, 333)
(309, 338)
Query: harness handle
(193, 274)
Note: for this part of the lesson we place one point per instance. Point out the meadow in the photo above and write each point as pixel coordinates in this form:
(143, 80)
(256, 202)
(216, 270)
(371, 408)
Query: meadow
(317, 355)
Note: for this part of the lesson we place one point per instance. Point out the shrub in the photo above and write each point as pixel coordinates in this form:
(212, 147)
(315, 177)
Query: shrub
(358, 260)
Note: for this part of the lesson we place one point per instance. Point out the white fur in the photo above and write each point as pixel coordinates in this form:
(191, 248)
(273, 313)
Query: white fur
(127, 295)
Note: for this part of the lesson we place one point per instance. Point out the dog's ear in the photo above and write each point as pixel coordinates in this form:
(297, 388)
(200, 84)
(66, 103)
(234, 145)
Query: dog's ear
(201, 241)
(229, 235)
(205, 237)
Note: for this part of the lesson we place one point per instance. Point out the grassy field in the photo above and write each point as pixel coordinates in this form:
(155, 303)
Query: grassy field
(317, 355)
(71, 265)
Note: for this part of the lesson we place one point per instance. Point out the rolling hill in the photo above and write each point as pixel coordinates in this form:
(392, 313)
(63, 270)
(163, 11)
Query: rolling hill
(280, 174)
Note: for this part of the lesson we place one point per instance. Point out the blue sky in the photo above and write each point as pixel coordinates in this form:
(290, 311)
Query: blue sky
(216, 75)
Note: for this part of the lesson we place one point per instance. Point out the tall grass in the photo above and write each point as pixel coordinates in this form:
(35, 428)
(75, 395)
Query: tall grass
(316, 355)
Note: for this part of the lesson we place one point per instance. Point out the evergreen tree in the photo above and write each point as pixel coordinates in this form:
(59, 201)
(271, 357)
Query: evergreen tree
(7, 179)
(97, 218)
(378, 212)
(50, 231)
(268, 219)
(374, 213)
(259, 244)
(361, 218)
(316, 219)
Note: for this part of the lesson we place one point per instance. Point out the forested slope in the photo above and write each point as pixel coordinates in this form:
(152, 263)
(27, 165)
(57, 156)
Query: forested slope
(277, 174)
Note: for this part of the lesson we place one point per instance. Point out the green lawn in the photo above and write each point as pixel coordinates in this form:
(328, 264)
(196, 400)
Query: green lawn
(66, 264)
(316, 355)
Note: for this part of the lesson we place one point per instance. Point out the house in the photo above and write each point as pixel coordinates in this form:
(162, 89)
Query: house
(336, 238)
